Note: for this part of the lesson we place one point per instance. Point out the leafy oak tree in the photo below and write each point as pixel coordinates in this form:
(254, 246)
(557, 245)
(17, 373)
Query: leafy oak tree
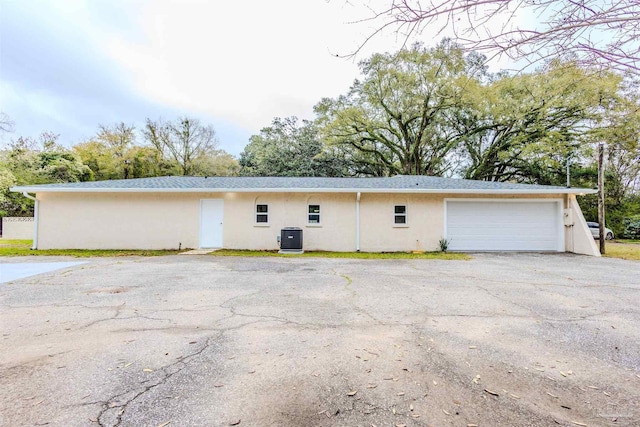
(619, 128)
(399, 114)
(525, 127)
(290, 148)
(7, 180)
(43, 160)
(36, 161)
(108, 154)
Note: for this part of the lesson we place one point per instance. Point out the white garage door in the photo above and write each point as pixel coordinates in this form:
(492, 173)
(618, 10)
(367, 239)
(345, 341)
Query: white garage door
(515, 225)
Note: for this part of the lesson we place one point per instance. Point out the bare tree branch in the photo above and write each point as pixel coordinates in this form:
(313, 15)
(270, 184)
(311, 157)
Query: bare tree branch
(185, 141)
(605, 33)
(6, 124)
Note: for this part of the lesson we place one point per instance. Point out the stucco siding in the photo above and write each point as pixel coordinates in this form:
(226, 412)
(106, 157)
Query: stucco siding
(578, 236)
(422, 231)
(335, 232)
(167, 220)
(425, 220)
(163, 221)
(118, 220)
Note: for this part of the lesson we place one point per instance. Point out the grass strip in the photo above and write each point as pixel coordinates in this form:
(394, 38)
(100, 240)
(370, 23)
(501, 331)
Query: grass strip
(345, 255)
(14, 248)
(629, 251)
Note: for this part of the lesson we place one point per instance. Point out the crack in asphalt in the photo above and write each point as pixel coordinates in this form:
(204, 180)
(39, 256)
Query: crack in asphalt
(258, 316)
(110, 405)
(233, 309)
(61, 305)
(582, 282)
(354, 295)
(115, 317)
(349, 296)
(537, 315)
(533, 313)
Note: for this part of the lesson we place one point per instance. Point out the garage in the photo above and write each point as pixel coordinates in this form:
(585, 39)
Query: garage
(504, 225)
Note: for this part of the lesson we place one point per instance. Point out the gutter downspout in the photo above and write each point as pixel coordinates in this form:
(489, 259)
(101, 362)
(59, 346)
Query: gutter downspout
(35, 219)
(358, 222)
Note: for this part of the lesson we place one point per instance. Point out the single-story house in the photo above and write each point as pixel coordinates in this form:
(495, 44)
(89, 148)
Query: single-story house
(401, 213)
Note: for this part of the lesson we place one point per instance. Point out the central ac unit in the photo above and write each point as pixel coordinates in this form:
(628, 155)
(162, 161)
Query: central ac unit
(291, 240)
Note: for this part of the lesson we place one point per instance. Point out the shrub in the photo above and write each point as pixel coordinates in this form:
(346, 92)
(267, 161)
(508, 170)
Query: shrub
(632, 227)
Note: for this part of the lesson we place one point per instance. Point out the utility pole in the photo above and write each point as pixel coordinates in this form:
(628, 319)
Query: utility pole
(601, 196)
(568, 172)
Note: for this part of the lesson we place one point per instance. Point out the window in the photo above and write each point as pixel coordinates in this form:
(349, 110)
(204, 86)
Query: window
(400, 214)
(262, 214)
(314, 214)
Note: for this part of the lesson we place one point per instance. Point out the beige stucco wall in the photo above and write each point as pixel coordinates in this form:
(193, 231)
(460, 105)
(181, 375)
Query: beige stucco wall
(425, 220)
(424, 228)
(165, 220)
(118, 220)
(336, 231)
(578, 237)
(20, 228)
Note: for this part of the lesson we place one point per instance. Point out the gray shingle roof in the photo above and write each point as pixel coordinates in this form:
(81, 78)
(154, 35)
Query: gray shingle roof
(401, 183)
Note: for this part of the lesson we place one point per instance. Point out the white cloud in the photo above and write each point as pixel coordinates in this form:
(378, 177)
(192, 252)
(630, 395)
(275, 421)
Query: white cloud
(247, 62)
(49, 109)
(243, 62)
(234, 64)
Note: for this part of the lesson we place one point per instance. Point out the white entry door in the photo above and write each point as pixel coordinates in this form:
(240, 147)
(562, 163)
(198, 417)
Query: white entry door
(211, 218)
(504, 225)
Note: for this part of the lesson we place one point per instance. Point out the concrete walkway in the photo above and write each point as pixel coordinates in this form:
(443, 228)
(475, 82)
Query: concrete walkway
(198, 252)
(14, 271)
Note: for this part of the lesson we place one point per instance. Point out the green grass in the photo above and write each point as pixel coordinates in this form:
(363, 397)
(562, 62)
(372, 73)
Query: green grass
(630, 251)
(23, 248)
(347, 255)
(627, 241)
(5, 242)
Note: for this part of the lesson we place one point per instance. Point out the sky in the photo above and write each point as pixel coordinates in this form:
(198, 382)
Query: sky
(68, 66)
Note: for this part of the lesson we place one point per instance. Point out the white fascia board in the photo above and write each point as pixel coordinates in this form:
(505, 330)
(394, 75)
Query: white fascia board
(302, 190)
(463, 200)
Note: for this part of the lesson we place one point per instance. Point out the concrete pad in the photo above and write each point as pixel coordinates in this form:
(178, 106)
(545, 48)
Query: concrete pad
(15, 271)
(198, 252)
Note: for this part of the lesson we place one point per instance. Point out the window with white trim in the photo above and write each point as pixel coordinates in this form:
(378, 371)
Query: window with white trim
(314, 214)
(262, 214)
(400, 214)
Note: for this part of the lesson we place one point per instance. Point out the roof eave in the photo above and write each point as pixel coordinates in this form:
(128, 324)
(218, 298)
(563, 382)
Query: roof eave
(28, 189)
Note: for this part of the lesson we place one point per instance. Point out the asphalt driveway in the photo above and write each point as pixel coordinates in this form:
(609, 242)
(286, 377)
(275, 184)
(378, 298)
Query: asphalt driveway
(501, 340)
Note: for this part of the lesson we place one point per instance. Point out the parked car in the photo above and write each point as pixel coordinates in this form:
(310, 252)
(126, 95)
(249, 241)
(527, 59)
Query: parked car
(595, 231)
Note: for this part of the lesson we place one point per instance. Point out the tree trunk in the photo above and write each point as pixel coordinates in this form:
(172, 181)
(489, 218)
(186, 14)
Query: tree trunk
(601, 197)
